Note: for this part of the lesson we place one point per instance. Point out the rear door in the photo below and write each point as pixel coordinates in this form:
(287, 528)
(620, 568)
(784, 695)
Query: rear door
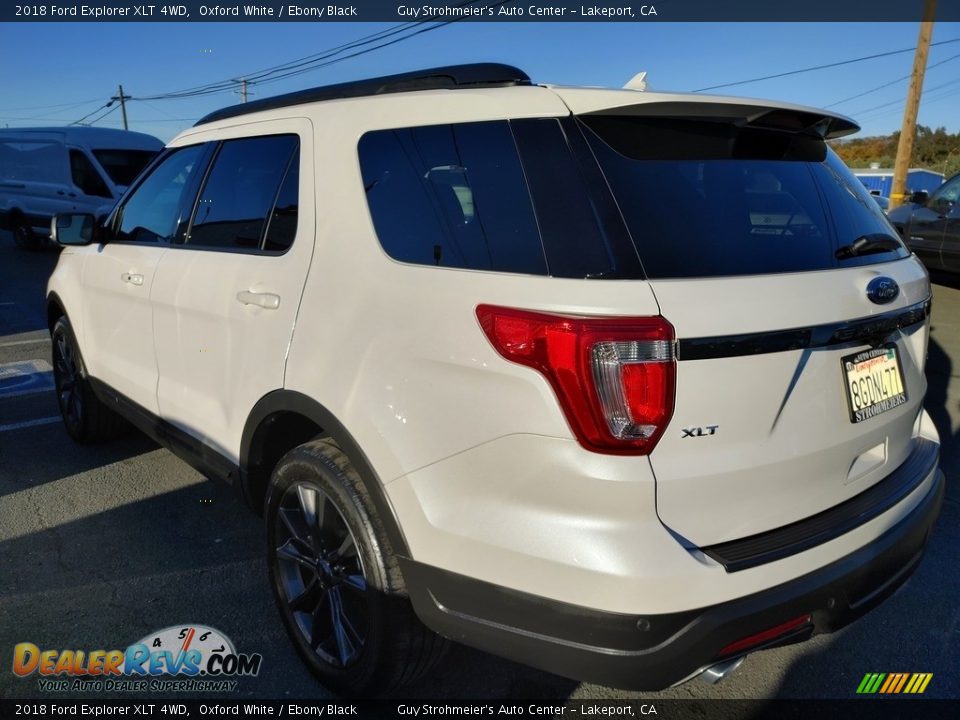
(744, 233)
(226, 297)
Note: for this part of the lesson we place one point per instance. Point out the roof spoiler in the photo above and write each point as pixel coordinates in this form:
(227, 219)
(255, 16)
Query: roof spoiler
(786, 118)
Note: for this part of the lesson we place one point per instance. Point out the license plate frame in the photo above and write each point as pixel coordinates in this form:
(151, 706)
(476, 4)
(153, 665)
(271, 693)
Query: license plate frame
(880, 383)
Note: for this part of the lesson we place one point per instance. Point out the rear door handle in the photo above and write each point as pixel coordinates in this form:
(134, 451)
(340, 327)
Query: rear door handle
(132, 278)
(268, 301)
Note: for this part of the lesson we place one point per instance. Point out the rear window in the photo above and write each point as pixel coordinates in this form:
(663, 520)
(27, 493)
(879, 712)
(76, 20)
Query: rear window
(706, 199)
(123, 165)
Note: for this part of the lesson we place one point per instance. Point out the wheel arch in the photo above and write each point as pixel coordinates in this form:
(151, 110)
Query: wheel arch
(10, 216)
(284, 419)
(55, 309)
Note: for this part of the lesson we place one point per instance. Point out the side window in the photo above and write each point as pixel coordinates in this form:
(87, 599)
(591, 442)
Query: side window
(86, 177)
(451, 196)
(240, 192)
(945, 196)
(283, 220)
(152, 211)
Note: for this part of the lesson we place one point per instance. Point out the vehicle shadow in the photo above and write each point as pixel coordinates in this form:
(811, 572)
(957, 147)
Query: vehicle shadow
(915, 630)
(34, 456)
(129, 566)
(950, 280)
(939, 373)
(23, 283)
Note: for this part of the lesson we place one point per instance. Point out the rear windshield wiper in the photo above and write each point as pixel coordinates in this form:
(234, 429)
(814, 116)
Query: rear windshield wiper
(867, 244)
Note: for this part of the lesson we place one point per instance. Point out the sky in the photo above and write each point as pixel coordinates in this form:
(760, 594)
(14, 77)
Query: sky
(56, 73)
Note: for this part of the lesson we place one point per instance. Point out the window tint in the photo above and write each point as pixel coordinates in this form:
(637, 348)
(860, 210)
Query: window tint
(567, 209)
(453, 196)
(32, 160)
(85, 175)
(283, 221)
(855, 213)
(123, 165)
(705, 199)
(152, 212)
(240, 191)
(946, 194)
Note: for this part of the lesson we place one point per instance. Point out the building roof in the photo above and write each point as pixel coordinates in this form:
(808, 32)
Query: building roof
(889, 171)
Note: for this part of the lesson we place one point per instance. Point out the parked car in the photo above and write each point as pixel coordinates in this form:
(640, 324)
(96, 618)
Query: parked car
(45, 171)
(930, 225)
(622, 385)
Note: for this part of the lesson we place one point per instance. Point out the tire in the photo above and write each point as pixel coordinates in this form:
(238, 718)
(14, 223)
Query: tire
(329, 558)
(86, 419)
(23, 236)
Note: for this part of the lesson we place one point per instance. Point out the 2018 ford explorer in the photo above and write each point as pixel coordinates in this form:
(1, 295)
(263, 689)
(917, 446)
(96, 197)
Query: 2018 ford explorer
(622, 385)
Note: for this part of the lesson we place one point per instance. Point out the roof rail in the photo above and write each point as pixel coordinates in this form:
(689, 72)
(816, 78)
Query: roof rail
(451, 77)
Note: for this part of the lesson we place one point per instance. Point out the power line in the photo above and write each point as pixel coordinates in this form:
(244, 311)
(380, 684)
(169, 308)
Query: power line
(65, 106)
(80, 121)
(888, 84)
(225, 86)
(898, 102)
(863, 117)
(822, 67)
(315, 61)
(229, 85)
(101, 117)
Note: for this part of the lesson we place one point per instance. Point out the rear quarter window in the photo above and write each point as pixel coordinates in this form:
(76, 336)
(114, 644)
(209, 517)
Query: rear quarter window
(451, 196)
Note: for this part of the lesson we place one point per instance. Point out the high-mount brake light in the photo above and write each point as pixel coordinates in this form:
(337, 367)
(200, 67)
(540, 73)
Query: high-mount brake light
(614, 377)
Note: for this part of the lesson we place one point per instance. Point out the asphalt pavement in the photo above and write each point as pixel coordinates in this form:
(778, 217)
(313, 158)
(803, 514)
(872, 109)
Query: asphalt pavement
(100, 546)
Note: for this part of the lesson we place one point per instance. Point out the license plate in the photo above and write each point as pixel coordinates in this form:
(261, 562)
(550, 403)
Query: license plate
(874, 382)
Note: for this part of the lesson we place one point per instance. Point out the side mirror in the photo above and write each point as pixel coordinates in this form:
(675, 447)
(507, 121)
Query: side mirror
(919, 197)
(72, 229)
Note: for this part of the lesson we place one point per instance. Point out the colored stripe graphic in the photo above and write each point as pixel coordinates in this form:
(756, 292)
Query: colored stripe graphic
(903, 681)
(894, 683)
(890, 679)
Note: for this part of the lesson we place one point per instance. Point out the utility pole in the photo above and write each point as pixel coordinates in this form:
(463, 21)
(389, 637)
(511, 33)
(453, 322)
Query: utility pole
(123, 105)
(909, 128)
(243, 88)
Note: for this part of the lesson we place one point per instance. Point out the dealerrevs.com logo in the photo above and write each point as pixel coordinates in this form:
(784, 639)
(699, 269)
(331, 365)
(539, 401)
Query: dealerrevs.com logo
(175, 659)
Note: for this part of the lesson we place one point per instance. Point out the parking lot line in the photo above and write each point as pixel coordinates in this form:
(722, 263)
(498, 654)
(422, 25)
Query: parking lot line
(24, 342)
(25, 377)
(29, 424)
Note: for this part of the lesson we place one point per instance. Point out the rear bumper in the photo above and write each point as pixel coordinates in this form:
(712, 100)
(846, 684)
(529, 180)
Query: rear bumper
(655, 651)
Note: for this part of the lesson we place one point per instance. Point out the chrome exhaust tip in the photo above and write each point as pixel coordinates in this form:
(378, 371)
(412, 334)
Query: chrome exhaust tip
(715, 673)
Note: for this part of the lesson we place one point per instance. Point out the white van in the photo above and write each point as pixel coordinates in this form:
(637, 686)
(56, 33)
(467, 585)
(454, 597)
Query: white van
(45, 171)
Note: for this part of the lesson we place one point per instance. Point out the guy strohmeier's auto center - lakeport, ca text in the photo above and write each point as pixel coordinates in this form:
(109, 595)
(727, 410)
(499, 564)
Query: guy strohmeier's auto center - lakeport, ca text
(316, 11)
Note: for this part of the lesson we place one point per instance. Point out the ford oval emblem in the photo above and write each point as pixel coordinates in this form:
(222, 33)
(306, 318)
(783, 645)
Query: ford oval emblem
(882, 290)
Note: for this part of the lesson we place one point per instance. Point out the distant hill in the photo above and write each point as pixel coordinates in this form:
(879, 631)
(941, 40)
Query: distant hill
(933, 149)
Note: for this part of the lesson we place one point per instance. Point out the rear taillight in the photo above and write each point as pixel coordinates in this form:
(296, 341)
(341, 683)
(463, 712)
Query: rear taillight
(614, 377)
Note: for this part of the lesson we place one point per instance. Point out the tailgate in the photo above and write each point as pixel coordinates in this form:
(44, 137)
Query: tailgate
(762, 433)
(801, 318)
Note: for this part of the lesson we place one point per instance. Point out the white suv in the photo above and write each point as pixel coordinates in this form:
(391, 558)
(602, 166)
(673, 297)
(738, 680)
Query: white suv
(622, 385)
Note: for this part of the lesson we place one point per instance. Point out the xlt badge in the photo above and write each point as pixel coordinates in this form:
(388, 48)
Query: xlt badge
(700, 431)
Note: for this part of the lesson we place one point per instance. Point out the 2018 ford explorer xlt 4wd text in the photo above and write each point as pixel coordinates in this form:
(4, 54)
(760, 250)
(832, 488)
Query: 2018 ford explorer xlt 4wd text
(621, 385)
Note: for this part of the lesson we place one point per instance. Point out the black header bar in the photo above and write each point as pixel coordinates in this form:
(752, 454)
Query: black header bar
(855, 708)
(474, 11)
